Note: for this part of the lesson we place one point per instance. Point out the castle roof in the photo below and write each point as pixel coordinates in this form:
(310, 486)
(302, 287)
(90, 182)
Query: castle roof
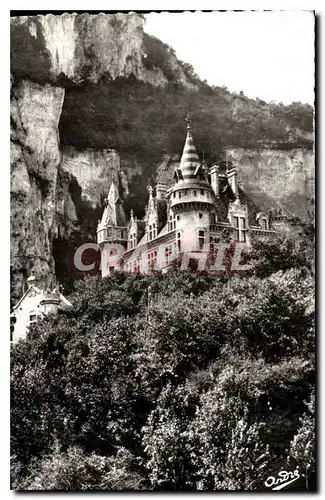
(190, 159)
(113, 212)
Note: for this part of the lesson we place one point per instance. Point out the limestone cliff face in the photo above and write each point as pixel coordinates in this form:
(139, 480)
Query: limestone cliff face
(76, 48)
(94, 171)
(278, 178)
(35, 159)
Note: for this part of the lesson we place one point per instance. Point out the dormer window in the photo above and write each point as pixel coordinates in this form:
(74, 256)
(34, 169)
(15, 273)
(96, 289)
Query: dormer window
(264, 223)
(132, 241)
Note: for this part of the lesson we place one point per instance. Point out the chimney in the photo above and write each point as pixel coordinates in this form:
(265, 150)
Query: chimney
(161, 190)
(232, 180)
(214, 173)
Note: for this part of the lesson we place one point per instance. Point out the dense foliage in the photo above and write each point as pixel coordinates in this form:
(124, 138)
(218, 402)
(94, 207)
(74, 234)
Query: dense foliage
(170, 382)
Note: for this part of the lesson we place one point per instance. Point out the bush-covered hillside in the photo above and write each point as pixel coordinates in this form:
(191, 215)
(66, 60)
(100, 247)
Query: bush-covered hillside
(145, 122)
(174, 382)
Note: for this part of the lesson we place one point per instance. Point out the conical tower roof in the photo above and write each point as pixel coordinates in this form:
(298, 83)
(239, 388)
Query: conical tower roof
(190, 159)
(113, 213)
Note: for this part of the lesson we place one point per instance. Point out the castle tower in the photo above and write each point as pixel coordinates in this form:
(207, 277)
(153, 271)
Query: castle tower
(112, 232)
(50, 302)
(191, 201)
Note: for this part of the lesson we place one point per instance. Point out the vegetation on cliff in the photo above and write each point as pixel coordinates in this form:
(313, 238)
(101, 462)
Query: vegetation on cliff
(143, 122)
(171, 382)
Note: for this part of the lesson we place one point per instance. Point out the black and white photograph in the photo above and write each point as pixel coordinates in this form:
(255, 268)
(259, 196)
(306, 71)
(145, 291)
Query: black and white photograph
(162, 251)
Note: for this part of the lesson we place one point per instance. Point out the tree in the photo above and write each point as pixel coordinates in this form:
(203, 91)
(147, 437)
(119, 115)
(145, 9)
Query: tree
(198, 385)
(73, 470)
(230, 453)
(303, 445)
(282, 252)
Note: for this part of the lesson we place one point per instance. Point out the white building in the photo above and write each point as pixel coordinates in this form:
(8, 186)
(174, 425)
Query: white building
(34, 303)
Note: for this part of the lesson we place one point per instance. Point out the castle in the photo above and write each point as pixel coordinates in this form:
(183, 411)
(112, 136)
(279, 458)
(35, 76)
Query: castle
(187, 222)
(188, 219)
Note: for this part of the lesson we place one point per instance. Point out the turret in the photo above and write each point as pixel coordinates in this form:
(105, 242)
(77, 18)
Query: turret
(161, 190)
(112, 232)
(112, 227)
(50, 302)
(191, 199)
(151, 217)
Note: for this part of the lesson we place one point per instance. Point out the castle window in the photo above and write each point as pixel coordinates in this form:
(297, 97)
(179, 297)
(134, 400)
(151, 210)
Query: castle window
(178, 241)
(179, 194)
(194, 192)
(212, 218)
(240, 229)
(200, 216)
(201, 239)
(174, 194)
(154, 230)
(132, 240)
(171, 222)
(32, 318)
(168, 253)
(202, 191)
(150, 232)
(152, 259)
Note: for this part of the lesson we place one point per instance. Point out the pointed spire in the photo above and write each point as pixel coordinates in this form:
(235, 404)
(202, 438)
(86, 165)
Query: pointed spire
(190, 159)
(188, 121)
(113, 213)
(113, 194)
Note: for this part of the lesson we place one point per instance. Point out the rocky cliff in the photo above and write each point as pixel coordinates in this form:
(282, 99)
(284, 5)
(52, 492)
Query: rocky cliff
(71, 49)
(35, 160)
(281, 179)
(95, 98)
